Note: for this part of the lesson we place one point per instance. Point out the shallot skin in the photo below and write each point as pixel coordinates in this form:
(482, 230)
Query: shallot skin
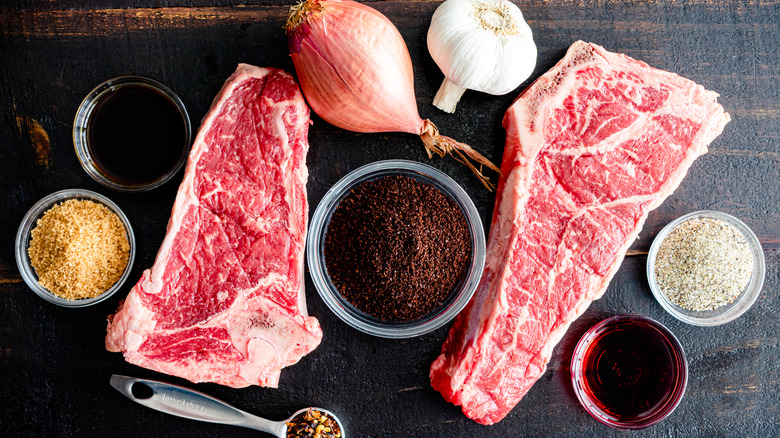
(354, 68)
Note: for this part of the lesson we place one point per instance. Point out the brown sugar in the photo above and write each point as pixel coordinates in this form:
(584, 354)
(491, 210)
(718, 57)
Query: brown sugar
(79, 249)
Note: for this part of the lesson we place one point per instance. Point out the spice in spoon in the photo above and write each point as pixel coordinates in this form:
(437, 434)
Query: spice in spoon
(313, 424)
(703, 264)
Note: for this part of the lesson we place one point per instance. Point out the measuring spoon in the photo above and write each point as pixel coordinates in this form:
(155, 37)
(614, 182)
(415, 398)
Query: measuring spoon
(186, 403)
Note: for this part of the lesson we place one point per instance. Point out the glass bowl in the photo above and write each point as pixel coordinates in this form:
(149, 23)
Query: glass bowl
(81, 131)
(346, 311)
(619, 371)
(23, 242)
(728, 312)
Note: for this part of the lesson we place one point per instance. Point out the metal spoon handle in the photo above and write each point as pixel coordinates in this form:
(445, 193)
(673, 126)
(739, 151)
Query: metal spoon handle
(186, 403)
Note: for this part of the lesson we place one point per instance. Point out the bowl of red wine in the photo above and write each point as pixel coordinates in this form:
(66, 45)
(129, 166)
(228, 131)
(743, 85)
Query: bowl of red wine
(629, 371)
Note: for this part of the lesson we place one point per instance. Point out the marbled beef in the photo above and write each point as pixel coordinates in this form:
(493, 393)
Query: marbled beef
(224, 301)
(592, 146)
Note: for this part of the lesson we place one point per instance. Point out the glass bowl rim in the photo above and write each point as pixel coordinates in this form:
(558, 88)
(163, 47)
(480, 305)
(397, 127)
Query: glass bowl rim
(728, 312)
(29, 222)
(331, 296)
(675, 396)
(81, 121)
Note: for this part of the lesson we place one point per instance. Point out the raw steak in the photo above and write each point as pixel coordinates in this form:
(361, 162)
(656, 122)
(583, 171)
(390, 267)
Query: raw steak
(224, 301)
(592, 146)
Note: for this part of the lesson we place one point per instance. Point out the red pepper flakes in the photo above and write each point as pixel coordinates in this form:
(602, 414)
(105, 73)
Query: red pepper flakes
(313, 424)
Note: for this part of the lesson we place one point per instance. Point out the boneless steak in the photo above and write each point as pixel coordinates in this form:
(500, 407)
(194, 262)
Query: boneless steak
(592, 146)
(224, 301)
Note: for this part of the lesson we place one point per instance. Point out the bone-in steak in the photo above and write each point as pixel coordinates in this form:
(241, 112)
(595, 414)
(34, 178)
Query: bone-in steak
(224, 301)
(592, 146)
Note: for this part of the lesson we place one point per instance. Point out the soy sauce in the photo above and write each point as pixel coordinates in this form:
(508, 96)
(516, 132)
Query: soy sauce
(136, 134)
(629, 370)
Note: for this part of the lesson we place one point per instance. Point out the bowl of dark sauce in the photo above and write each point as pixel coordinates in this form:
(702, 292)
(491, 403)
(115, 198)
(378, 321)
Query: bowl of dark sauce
(629, 372)
(132, 134)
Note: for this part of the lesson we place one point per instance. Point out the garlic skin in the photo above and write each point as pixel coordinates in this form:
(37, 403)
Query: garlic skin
(482, 45)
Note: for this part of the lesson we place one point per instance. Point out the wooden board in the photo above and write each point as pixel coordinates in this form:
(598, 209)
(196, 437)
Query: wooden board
(54, 370)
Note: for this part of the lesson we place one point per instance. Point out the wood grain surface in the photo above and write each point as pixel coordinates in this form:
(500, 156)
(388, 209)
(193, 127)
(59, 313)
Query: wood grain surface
(54, 369)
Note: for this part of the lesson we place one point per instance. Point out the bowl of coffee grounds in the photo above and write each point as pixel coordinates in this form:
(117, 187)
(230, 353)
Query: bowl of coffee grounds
(396, 249)
(75, 248)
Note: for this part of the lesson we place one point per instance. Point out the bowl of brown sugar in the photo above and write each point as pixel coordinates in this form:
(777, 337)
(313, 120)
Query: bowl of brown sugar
(396, 249)
(75, 248)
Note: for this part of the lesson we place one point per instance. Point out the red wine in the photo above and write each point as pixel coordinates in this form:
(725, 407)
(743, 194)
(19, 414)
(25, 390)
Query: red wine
(136, 134)
(631, 369)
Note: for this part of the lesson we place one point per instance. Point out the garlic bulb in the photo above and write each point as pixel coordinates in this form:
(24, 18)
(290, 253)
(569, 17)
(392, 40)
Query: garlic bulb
(482, 45)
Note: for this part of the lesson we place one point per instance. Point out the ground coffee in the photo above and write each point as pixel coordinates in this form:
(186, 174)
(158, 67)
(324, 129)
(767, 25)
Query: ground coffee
(397, 247)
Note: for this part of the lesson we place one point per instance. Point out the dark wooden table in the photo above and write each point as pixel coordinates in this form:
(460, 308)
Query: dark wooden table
(54, 369)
